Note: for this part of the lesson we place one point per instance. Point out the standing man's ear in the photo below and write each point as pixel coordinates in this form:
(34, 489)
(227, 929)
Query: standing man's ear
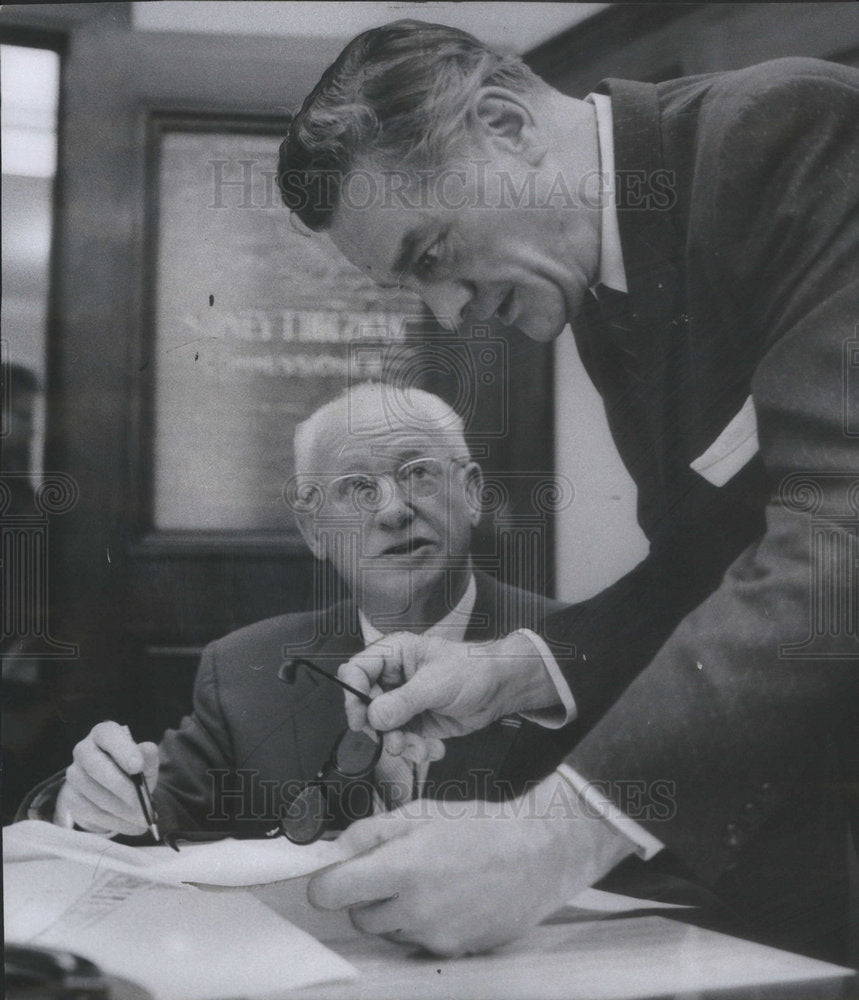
(474, 492)
(505, 120)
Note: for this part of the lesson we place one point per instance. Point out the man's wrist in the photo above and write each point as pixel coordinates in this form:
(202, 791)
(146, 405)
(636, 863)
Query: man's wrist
(524, 682)
(581, 838)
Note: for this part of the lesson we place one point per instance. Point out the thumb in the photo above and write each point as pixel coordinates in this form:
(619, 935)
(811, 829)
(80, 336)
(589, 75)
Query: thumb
(394, 709)
(365, 834)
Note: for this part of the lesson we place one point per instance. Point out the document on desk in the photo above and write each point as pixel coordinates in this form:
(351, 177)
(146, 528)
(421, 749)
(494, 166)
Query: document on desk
(131, 911)
(176, 941)
(226, 862)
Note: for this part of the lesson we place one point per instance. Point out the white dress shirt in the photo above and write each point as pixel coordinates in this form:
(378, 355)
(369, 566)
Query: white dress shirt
(452, 627)
(612, 274)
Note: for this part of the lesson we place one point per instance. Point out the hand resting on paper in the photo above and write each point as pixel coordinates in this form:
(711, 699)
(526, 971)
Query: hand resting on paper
(98, 794)
(464, 877)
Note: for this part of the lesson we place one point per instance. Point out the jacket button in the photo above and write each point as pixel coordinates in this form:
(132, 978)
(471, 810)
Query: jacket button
(733, 836)
(767, 792)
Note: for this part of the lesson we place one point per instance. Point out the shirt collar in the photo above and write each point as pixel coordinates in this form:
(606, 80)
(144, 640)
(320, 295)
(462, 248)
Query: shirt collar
(452, 626)
(612, 273)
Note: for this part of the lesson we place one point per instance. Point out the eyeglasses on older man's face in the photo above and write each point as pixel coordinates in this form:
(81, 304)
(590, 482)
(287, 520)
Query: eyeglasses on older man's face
(418, 478)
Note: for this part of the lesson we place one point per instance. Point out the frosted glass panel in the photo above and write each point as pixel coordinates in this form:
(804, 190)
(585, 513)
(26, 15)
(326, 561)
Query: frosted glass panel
(256, 325)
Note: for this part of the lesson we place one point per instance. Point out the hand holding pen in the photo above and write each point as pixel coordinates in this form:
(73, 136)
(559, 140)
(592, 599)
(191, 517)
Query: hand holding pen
(108, 785)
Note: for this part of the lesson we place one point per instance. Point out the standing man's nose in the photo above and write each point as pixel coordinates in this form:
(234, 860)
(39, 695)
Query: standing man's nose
(448, 300)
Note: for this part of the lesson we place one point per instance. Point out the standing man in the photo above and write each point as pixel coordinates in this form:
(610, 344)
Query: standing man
(386, 496)
(700, 236)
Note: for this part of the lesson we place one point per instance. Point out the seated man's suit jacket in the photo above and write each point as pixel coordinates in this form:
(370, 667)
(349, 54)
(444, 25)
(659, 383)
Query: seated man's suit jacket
(251, 739)
(728, 660)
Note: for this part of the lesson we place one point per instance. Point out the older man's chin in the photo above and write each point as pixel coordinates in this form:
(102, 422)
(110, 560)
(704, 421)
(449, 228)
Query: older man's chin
(395, 587)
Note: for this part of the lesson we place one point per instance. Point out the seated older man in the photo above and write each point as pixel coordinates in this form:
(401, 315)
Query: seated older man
(386, 495)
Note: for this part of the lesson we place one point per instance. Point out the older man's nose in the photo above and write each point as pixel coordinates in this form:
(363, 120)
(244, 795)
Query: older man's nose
(396, 511)
(448, 300)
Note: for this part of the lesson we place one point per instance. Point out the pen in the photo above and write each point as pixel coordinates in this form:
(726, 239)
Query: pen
(144, 796)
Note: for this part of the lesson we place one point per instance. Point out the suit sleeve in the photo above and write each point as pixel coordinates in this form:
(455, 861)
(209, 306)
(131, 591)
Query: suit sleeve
(195, 757)
(746, 686)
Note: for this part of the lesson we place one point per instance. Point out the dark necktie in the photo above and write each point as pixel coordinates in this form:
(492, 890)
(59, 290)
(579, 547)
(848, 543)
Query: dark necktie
(614, 308)
(615, 314)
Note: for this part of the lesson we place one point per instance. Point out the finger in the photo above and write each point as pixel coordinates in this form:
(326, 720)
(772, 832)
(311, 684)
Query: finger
(151, 763)
(99, 796)
(372, 874)
(383, 662)
(92, 764)
(415, 749)
(435, 749)
(366, 834)
(95, 775)
(394, 709)
(89, 816)
(385, 918)
(363, 670)
(394, 742)
(352, 883)
(356, 710)
(117, 742)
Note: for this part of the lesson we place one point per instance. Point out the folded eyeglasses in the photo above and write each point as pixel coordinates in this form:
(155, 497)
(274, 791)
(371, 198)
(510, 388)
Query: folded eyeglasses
(321, 801)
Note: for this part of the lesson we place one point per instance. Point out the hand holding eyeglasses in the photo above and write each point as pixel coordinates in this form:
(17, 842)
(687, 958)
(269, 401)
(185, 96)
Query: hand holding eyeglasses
(440, 688)
(339, 791)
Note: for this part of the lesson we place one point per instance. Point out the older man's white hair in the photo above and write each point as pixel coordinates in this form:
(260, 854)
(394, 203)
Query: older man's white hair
(371, 408)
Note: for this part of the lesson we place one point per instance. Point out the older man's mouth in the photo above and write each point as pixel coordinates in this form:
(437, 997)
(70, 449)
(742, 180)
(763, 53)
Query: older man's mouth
(408, 547)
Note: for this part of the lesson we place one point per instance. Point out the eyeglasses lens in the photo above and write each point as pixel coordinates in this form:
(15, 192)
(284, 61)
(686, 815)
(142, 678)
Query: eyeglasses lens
(306, 816)
(356, 753)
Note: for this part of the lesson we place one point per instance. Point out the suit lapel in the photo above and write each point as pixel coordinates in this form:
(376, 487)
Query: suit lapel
(317, 706)
(644, 368)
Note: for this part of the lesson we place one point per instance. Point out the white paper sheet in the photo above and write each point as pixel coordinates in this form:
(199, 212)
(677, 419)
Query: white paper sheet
(597, 901)
(178, 942)
(225, 862)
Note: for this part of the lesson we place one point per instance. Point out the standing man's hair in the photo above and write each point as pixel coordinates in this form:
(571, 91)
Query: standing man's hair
(399, 95)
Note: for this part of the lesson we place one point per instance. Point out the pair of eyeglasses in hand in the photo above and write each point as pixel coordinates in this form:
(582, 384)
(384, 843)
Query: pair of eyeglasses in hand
(335, 794)
(354, 756)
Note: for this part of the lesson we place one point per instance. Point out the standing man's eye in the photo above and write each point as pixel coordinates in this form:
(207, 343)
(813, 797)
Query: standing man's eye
(428, 260)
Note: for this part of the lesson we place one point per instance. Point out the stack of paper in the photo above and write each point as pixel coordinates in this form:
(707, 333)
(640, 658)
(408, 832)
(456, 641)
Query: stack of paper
(127, 910)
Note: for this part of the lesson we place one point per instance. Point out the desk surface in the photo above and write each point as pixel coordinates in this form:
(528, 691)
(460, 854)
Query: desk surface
(583, 959)
(580, 961)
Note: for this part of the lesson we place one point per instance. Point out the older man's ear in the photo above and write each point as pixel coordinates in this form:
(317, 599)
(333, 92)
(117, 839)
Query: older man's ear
(316, 542)
(474, 492)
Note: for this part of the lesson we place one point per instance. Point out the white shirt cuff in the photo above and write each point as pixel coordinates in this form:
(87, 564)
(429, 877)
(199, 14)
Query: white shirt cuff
(645, 844)
(559, 715)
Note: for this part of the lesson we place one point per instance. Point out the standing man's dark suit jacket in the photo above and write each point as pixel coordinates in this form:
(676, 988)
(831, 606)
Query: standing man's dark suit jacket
(739, 223)
(251, 739)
